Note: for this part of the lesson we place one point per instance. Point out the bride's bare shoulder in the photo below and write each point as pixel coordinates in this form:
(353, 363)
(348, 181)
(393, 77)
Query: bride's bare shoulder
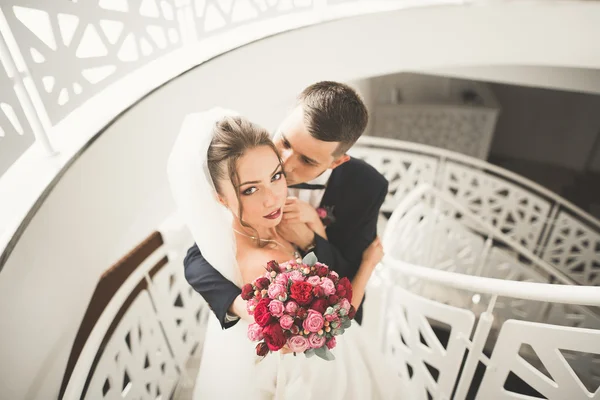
(253, 257)
(252, 262)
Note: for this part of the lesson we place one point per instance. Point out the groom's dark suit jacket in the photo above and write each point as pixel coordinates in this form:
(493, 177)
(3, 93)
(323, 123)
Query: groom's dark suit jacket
(356, 192)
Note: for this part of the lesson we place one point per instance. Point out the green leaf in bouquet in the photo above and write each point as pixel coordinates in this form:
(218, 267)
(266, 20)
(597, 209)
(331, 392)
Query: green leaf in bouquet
(310, 259)
(346, 324)
(338, 331)
(324, 353)
(329, 311)
(309, 353)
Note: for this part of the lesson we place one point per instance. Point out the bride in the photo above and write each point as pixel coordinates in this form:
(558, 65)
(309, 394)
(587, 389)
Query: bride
(229, 185)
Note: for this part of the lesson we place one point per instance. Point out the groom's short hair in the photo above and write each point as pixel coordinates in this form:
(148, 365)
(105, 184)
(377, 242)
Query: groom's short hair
(334, 112)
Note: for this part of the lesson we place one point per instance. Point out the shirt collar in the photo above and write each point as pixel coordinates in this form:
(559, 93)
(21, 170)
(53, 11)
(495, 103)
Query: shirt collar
(322, 179)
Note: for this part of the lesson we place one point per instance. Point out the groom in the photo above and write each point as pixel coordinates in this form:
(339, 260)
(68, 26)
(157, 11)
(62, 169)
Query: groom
(328, 119)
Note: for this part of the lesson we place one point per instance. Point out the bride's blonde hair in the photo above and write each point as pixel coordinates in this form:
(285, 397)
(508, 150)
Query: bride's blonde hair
(232, 138)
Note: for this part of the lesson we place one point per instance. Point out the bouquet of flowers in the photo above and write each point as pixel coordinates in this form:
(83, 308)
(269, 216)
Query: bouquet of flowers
(301, 304)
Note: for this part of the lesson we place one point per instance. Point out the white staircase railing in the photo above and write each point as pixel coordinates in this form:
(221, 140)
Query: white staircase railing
(558, 362)
(447, 270)
(153, 325)
(540, 221)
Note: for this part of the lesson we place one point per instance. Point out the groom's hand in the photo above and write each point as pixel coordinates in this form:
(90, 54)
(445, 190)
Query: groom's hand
(296, 211)
(298, 233)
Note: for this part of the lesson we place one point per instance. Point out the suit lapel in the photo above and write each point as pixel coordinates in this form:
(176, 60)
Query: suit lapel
(330, 195)
(331, 198)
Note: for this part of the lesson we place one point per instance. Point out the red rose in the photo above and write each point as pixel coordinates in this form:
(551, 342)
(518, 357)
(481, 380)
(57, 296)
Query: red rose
(301, 313)
(319, 305)
(333, 299)
(262, 349)
(262, 283)
(273, 266)
(322, 270)
(247, 291)
(301, 292)
(334, 278)
(274, 336)
(262, 316)
(344, 289)
(319, 291)
(351, 312)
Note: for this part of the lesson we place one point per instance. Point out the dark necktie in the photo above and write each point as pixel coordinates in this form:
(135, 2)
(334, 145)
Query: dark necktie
(307, 186)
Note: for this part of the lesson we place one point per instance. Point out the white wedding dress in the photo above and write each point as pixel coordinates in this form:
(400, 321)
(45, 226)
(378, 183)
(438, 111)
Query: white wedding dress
(230, 369)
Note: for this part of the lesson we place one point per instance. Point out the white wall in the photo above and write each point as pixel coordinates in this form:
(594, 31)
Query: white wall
(571, 79)
(116, 193)
(546, 126)
(364, 88)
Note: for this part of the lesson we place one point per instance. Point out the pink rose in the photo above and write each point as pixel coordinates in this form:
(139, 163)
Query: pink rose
(314, 280)
(255, 332)
(331, 343)
(321, 212)
(328, 286)
(251, 305)
(313, 322)
(345, 304)
(291, 307)
(276, 308)
(316, 341)
(334, 275)
(286, 321)
(296, 276)
(298, 344)
(276, 290)
(282, 279)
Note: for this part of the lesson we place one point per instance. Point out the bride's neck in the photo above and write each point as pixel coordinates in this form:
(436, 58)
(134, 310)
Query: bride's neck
(263, 233)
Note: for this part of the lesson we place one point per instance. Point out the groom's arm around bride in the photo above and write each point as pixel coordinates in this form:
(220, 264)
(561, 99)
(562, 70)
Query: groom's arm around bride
(313, 140)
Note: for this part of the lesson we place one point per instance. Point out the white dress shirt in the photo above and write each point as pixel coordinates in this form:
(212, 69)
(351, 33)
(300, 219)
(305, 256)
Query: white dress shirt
(312, 197)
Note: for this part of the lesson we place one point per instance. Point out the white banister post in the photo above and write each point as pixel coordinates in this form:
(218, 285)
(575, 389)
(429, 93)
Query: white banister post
(482, 331)
(484, 254)
(549, 226)
(438, 177)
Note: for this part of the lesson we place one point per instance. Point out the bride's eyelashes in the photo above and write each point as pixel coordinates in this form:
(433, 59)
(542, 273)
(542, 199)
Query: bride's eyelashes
(276, 177)
(249, 191)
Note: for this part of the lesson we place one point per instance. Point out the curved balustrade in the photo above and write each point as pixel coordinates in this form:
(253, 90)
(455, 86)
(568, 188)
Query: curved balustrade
(143, 340)
(540, 221)
(555, 361)
(431, 228)
(460, 288)
(59, 55)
